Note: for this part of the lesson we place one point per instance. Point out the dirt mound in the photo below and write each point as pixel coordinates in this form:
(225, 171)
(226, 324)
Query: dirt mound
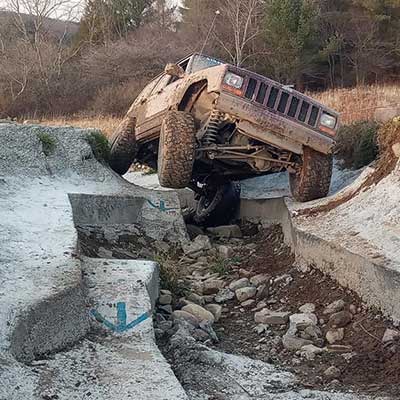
(388, 135)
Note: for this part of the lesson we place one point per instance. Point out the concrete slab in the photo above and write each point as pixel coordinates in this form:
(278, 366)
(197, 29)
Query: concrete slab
(118, 357)
(43, 298)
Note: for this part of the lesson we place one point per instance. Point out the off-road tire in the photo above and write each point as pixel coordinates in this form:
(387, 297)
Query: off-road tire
(176, 150)
(313, 179)
(221, 208)
(123, 146)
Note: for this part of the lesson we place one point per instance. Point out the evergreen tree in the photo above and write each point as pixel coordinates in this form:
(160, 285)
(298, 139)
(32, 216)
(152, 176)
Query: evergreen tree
(107, 20)
(291, 33)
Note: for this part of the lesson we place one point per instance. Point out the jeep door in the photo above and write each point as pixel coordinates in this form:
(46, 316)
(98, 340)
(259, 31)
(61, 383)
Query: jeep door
(156, 106)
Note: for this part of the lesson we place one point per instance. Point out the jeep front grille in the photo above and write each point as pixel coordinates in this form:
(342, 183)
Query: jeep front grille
(281, 101)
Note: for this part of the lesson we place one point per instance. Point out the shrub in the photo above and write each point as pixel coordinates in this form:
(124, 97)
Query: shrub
(48, 143)
(115, 100)
(100, 145)
(357, 144)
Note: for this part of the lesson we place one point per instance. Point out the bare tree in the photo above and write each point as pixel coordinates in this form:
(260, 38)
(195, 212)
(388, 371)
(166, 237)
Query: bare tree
(243, 27)
(39, 44)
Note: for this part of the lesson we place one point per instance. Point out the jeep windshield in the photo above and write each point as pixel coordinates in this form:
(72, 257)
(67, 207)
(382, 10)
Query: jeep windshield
(200, 62)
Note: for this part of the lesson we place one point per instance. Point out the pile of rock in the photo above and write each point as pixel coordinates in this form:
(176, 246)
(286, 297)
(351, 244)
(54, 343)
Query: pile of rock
(208, 292)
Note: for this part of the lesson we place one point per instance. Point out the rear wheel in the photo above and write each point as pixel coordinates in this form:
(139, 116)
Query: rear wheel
(176, 150)
(313, 178)
(123, 146)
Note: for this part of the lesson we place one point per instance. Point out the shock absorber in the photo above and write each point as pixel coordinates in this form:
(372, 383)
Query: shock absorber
(214, 122)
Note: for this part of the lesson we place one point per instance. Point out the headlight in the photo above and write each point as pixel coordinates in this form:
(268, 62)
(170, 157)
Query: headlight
(233, 80)
(328, 121)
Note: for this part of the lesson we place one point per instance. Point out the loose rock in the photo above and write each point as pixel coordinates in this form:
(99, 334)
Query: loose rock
(260, 328)
(259, 279)
(310, 351)
(302, 321)
(293, 343)
(165, 299)
(195, 298)
(226, 231)
(215, 309)
(197, 246)
(307, 308)
(244, 273)
(239, 284)
(212, 286)
(340, 319)
(390, 335)
(199, 312)
(185, 316)
(266, 316)
(225, 252)
(335, 335)
(245, 293)
(224, 295)
(248, 303)
(262, 292)
(335, 307)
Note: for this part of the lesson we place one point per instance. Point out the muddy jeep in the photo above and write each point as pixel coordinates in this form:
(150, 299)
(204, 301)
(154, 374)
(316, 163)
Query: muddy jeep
(204, 124)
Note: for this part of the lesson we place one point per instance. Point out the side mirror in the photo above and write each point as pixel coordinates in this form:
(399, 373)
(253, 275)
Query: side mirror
(174, 70)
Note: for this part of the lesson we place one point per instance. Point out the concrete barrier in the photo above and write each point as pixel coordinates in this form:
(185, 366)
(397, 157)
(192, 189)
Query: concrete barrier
(45, 305)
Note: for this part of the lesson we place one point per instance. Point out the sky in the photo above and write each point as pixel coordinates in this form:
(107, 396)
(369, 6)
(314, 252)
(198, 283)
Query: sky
(71, 8)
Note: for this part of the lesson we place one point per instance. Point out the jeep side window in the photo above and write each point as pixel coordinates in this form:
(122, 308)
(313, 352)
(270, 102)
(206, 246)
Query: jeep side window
(184, 65)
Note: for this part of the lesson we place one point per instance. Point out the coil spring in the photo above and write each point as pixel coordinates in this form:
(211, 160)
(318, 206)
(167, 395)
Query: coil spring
(211, 135)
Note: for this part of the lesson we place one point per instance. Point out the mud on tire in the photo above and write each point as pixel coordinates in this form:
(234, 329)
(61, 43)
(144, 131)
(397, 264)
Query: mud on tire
(123, 146)
(176, 150)
(313, 179)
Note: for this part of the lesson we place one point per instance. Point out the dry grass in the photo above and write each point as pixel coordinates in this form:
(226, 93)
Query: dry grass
(357, 104)
(105, 123)
(362, 103)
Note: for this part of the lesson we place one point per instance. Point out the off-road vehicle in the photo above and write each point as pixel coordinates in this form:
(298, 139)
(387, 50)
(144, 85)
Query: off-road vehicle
(204, 123)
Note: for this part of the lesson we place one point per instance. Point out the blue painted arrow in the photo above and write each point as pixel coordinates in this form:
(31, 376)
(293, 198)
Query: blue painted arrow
(162, 206)
(121, 325)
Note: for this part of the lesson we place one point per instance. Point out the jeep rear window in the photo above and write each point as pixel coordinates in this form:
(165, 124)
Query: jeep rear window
(203, 62)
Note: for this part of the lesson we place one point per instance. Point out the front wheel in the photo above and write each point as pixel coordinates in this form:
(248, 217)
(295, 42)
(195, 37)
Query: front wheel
(176, 150)
(313, 178)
